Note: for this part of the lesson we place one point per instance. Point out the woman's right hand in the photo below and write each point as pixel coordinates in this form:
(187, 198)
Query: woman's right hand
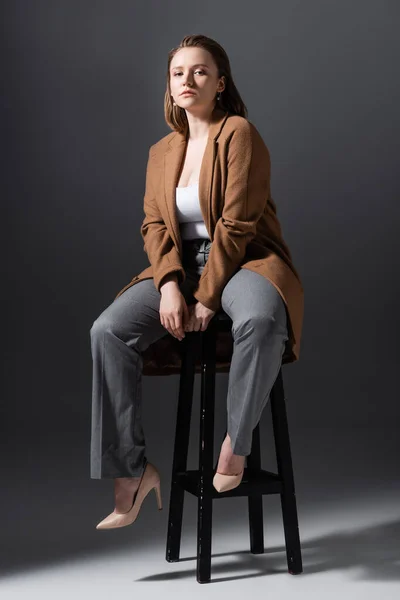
(174, 312)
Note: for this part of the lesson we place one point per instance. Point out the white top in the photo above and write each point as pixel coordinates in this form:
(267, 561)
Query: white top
(191, 222)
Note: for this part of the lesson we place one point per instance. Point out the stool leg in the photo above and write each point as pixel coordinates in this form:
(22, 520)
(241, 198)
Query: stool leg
(255, 503)
(206, 450)
(217, 460)
(285, 470)
(181, 446)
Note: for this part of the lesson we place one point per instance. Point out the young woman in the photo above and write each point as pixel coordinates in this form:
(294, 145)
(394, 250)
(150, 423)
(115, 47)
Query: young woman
(214, 242)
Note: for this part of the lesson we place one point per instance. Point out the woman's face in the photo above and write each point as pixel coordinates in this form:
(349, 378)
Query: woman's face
(194, 69)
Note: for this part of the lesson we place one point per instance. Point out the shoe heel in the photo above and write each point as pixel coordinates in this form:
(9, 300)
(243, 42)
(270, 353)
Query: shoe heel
(158, 495)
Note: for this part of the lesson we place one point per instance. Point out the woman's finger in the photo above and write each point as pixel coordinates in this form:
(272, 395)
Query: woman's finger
(178, 325)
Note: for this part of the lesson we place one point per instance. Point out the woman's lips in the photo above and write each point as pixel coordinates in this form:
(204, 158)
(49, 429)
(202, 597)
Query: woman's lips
(188, 94)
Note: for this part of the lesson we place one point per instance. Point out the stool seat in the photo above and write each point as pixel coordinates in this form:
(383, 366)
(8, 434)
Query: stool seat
(163, 357)
(198, 353)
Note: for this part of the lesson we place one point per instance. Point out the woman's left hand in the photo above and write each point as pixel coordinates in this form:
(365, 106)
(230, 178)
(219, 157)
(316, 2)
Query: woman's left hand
(199, 317)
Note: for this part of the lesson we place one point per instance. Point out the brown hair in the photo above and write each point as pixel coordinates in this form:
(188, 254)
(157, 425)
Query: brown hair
(230, 99)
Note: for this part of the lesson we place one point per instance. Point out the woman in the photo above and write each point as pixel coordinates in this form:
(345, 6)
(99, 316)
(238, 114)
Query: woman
(213, 241)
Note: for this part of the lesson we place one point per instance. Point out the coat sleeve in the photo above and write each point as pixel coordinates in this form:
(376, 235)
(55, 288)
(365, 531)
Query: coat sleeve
(158, 244)
(246, 194)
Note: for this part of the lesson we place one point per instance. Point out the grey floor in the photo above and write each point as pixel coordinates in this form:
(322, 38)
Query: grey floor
(348, 495)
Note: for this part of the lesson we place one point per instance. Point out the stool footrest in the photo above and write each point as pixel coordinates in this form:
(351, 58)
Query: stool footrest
(254, 483)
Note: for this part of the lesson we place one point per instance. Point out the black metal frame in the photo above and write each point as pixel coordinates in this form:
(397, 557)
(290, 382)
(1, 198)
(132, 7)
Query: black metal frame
(256, 481)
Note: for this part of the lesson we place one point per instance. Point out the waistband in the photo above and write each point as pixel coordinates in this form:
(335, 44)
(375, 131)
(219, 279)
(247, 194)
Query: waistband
(199, 244)
(195, 253)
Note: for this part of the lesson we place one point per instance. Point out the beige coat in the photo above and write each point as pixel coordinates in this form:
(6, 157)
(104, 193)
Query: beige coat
(239, 214)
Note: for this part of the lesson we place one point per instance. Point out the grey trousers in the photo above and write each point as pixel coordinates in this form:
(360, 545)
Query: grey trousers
(132, 322)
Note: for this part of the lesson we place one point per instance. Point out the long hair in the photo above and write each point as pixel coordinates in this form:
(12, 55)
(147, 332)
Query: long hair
(230, 99)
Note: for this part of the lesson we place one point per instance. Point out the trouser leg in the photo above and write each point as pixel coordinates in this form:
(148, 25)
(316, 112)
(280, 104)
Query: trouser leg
(118, 337)
(259, 333)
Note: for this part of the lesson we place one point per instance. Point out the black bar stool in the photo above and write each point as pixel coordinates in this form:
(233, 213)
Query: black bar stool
(255, 482)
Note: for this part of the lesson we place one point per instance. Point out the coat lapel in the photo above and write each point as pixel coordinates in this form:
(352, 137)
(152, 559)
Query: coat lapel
(173, 161)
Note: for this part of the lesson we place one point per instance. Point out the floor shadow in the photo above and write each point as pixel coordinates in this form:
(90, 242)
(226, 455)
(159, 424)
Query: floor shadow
(374, 551)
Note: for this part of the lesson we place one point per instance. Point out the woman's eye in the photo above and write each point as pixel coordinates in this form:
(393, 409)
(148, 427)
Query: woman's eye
(198, 71)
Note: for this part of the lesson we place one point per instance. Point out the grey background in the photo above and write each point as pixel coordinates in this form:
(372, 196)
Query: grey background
(83, 100)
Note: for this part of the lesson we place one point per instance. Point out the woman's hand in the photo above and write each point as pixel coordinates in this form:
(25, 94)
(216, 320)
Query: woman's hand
(199, 317)
(173, 309)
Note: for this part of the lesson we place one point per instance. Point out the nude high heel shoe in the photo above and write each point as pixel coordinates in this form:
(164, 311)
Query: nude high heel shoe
(150, 480)
(223, 483)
